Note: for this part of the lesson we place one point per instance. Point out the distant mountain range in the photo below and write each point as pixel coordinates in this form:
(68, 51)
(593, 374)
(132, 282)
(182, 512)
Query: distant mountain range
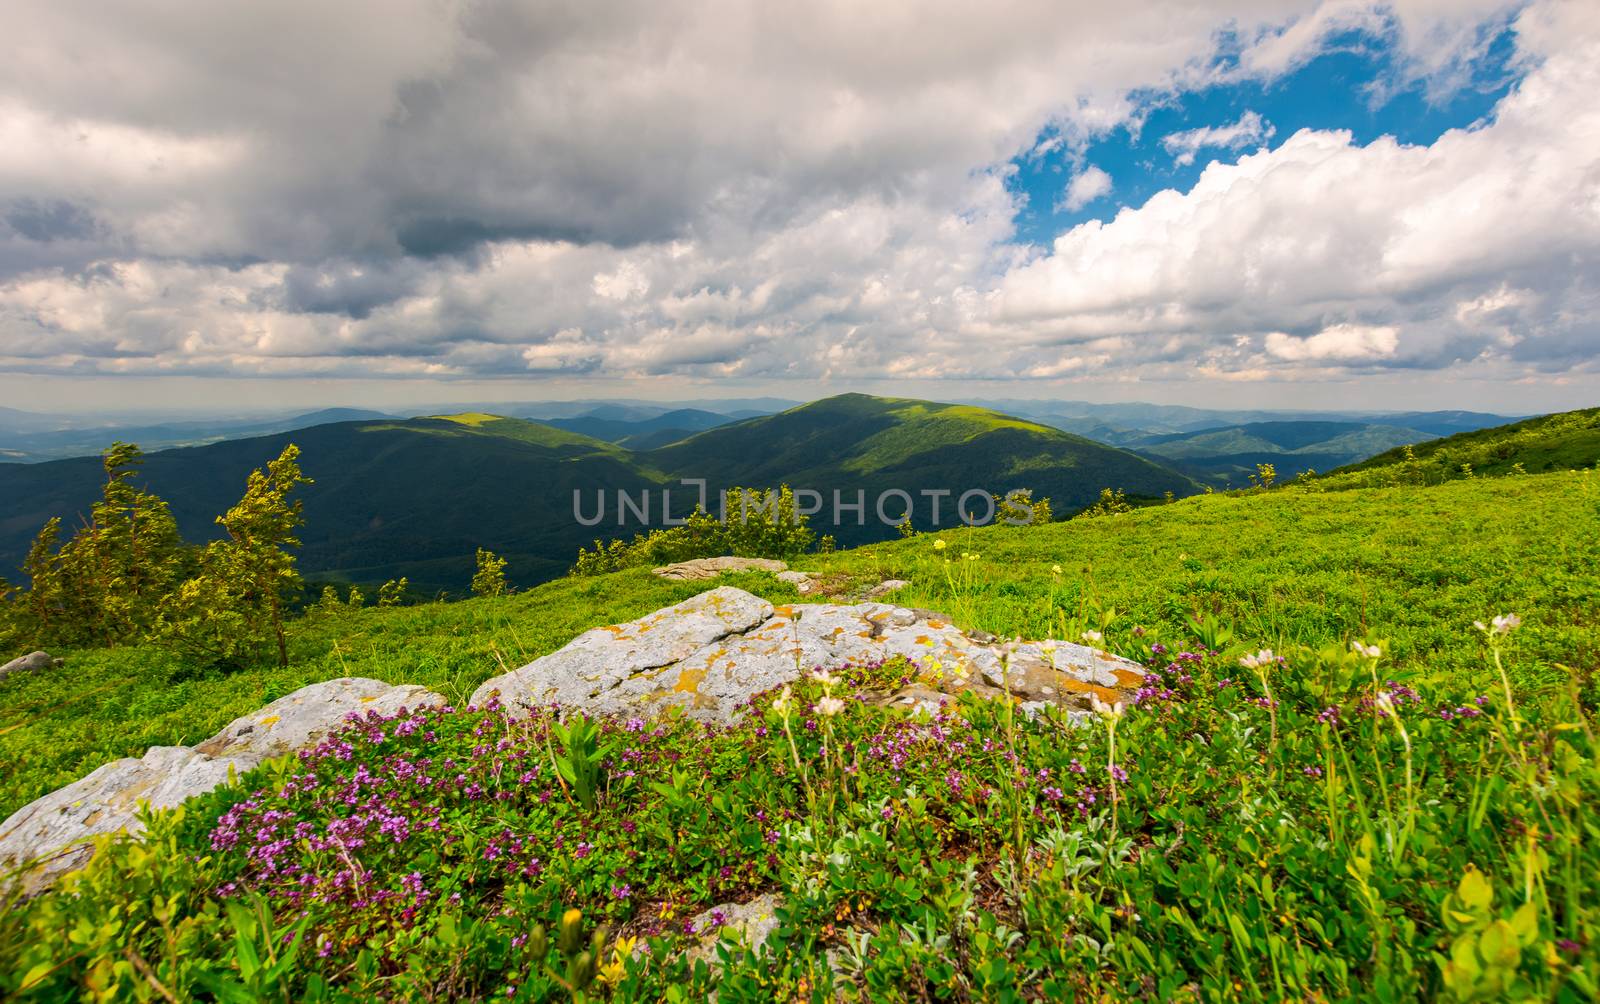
(30, 437)
(1227, 457)
(416, 497)
(644, 433)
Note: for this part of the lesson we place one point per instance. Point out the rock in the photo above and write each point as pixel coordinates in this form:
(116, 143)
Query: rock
(803, 582)
(710, 568)
(55, 832)
(886, 587)
(299, 720)
(30, 663)
(710, 654)
(749, 924)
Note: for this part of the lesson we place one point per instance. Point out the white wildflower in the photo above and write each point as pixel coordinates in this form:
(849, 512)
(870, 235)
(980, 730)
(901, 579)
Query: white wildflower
(1504, 623)
(1363, 649)
(1260, 659)
(829, 706)
(1101, 708)
(1094, 637)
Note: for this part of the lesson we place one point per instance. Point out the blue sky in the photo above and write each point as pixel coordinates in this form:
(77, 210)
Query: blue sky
(1358, 82)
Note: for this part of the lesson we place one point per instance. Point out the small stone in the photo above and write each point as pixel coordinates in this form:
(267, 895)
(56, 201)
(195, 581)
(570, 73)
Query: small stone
(748, 923)
(886, 587)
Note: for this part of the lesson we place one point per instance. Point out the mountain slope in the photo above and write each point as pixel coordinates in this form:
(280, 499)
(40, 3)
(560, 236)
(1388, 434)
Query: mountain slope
(643, 433)
(417, 497)
(1564, 441)
(1228, 456)
(875, 444)
(414, 498)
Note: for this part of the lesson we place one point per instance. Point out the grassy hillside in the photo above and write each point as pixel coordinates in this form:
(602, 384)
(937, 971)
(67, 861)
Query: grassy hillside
(1328, 828)
(855, 441)
(1410, 566)
(1561, 442)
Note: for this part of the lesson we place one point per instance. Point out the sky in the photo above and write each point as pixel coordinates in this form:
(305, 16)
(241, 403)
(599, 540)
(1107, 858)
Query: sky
(1264, 203)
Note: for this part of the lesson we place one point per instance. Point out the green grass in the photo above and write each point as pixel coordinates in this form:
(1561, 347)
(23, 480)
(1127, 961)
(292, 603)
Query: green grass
(1431, 838)
(1411, 567)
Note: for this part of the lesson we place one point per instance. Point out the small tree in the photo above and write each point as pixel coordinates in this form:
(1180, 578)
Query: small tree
(236, 604)
(393, 592)
(490, 578)
(1018, 508)
(1113, 502)
(122, 563)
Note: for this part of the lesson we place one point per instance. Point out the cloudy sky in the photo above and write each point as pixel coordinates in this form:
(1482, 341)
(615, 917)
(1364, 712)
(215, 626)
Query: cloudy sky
(1241, 201)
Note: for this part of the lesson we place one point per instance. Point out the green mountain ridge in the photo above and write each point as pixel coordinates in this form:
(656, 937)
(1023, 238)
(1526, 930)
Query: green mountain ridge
(1227, 457)
(417, 497)
(1563, 441)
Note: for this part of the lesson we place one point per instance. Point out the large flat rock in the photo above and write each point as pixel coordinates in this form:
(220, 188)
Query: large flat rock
(709, 654)
(53, 835)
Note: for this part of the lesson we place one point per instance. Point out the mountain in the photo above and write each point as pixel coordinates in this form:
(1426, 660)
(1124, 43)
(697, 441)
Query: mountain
(396, 497)
(1228, 456)
(58, 443)
(1567, 440)
(417, 497)
(643, 433)
(1125, 423)
(876, 444)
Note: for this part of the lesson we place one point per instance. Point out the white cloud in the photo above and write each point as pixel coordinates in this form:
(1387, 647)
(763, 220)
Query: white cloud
(486, 189)
(1406, 256)
(1250, 130)
(1086, 186)
(1339, 342)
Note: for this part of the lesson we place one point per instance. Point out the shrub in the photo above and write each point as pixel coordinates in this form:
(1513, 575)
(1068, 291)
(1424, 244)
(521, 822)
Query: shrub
(755, 524)
(490, 578)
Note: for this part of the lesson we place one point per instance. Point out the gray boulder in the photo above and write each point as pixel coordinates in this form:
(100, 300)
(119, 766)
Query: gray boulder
(33, 662)
(710, 568)
(712, 652)
(54, 835)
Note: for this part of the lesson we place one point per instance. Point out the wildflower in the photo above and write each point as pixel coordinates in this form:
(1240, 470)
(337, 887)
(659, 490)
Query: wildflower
(1502, 624)
(1365, 650)
(1093, 636)
(1101, 708)
(1118, 773)
(1055, 569)
(823, 677)
(1260, 659)
(829, 706)
(939, 545)
(781, 703)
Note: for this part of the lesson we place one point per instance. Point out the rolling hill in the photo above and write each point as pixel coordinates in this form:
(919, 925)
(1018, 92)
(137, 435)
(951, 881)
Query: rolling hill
(1227, 457)
(1568, 440)
(855, 441)
(417, 497)
(643, 433)
(413, 497)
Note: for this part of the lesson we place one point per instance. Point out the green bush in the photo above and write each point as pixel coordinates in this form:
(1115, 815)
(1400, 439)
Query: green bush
(755, 524)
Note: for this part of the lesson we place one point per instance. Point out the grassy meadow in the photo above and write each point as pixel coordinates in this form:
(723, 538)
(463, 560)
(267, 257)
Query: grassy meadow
(1411, 820)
